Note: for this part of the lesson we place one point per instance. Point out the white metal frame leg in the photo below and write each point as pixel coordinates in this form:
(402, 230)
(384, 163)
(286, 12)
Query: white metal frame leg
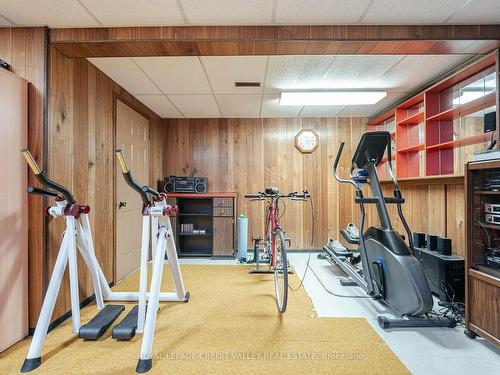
(49, 302)
(88, 255)
(73, 273)
(173, 262)
(145, 362)
(143, 276)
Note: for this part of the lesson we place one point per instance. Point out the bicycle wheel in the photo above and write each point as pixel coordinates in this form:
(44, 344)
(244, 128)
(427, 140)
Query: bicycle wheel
(280, 271)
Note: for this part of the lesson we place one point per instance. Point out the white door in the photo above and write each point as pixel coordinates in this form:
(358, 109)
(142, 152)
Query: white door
(132, 137)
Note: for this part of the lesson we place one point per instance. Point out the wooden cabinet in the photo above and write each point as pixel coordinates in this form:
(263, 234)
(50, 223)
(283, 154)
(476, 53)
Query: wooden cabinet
(14, 209)
(482, 263)
(223, 236)
(205, 224)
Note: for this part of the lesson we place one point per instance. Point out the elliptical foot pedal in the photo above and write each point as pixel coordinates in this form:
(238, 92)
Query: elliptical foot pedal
(100, 323)
(125, 330)
(348, 282)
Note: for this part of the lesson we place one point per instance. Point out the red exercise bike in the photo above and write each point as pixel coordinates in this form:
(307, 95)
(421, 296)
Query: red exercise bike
(274, 240)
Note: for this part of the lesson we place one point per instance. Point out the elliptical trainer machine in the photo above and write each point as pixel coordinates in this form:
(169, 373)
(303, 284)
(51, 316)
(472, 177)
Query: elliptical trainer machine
(390, 272)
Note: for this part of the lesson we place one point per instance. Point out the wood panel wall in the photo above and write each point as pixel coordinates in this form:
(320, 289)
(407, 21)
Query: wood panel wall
(246, 155)
(25, 50)
(81, 139)
(436, 208)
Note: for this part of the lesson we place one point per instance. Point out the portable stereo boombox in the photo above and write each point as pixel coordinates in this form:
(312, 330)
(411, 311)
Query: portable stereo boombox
(186, 184)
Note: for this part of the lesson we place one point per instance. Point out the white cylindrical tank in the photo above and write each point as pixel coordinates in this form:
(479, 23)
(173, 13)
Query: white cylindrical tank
(242, 226)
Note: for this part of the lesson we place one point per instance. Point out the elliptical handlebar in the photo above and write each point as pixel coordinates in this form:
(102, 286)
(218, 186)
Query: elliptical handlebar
(45, 181)
(127, 175)
(146, 189)
(335, 165)
(46, 192)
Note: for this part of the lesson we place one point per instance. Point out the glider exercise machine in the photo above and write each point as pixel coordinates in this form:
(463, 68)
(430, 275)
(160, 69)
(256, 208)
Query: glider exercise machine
(78, 235)
(156, 214)
(390, 272)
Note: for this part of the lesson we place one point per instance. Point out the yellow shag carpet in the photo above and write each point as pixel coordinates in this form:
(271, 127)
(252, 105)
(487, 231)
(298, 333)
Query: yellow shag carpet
(230, 326)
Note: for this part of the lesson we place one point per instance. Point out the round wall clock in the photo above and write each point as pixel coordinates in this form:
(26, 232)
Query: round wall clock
(307, 141)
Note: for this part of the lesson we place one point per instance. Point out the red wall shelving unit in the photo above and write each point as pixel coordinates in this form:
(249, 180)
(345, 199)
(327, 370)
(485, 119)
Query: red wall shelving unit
(425, 128)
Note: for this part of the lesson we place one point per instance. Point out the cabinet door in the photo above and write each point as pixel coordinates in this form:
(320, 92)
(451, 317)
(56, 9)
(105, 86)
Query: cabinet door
(223, 236)
(13, 210)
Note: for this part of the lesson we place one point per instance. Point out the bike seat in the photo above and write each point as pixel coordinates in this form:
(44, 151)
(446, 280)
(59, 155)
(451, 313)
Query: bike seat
(272, 190)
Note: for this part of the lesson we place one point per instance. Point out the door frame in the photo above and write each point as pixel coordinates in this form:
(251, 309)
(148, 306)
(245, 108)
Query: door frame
(129, 103)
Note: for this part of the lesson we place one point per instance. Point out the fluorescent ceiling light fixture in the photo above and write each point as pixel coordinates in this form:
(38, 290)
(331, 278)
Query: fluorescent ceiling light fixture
(340, 97)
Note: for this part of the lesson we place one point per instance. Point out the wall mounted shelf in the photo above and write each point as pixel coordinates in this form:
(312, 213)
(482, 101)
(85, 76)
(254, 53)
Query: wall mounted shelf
(432, 133)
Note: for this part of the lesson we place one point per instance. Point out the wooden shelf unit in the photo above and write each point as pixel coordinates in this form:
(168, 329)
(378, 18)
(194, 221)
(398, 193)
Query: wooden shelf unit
(215, 213)
(433, 132)
(482, 279)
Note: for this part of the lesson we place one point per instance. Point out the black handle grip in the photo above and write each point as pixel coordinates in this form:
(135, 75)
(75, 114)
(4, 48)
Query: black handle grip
(146, 189)
(128, 177)
(337, 158)
(38, 191)
(44, 180)
(253, 196)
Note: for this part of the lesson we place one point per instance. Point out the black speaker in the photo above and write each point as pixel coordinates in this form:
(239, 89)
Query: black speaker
(432, 242)
(169, 184)
(444, 246)
(490, 120)
(200, 185)
(418, 239)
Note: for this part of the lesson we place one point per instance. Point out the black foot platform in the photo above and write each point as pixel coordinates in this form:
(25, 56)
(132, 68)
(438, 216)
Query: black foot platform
(144, 365)
(30, 364)
(125, 330)
(412, 322)
(100, 323)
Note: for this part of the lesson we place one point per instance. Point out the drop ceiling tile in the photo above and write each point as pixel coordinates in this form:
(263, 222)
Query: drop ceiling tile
(224, 12)
(477, 12)
(321, 110)
(54, 13)
(414, 71)
(320, 11)
(403, 12)
(4, 22)
(176, 75)
(372, 110)
(127, 74)
(236, 106)
(135, 13)
(355, 72)
(271, 108)
(296, 72)
(196, 106)
(160, 105)
(224, 71)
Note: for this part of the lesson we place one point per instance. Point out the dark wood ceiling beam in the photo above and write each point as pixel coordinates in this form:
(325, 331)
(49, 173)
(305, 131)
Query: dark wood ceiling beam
(275, 40)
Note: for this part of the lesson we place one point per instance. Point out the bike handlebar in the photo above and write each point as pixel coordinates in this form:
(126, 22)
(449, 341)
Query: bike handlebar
(44, 180)
(293, 196)
(128, 177)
